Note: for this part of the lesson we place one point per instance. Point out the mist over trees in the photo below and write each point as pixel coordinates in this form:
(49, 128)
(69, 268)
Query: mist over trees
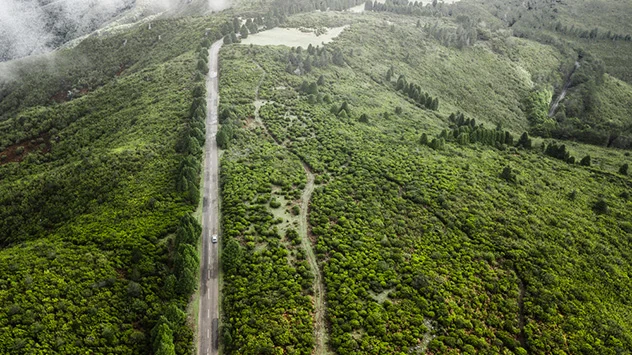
(30, 27)
(36, 26)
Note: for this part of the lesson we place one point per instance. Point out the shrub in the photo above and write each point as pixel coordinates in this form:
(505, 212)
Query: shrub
(274, 203)
(601, 206)
(295, 210)
(508, 174)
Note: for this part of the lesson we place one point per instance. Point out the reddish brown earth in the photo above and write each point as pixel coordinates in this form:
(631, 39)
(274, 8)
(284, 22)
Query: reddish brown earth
(10, 154)
(60, 96)
(122, 67)
(65, 95)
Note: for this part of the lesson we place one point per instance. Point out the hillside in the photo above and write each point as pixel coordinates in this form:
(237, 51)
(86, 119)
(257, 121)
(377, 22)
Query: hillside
(458, 247)
(437, 178)
(90, 217)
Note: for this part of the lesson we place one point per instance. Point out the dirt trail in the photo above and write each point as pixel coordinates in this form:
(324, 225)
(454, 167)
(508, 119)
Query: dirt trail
(320, 324)
(259, 103)
(521, 319)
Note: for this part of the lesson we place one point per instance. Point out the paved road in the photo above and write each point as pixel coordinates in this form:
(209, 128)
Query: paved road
(208, 336)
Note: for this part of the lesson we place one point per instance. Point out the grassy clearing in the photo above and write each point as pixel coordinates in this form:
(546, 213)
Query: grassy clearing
(292, 37)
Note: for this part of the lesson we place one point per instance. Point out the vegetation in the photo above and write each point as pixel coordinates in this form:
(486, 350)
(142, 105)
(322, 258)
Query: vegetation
(414, 92)
(435, 229)
(98, 246)
(267, 282)
(484, 244)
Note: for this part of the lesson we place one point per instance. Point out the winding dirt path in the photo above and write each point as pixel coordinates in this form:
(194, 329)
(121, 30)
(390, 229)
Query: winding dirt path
(259, 103)
(522, 338)
(321, 335)
(320, 324)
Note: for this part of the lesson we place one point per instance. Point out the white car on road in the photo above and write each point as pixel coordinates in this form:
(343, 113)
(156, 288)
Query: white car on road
(214, 238)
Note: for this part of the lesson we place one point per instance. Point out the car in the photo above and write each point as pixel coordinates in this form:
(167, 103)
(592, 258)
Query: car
(214, 238)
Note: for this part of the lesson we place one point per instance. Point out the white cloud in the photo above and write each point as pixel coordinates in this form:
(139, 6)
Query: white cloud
(35, 26)
(22, 29)
(218, 5)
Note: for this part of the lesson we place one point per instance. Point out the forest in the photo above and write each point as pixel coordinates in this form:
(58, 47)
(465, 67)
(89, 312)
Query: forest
(455, 208)
(445, 229)
(99, 177)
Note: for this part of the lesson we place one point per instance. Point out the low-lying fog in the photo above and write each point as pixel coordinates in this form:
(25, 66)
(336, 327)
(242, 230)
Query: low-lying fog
(36, 26)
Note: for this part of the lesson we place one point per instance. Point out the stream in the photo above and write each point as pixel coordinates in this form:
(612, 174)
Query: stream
(564, 90)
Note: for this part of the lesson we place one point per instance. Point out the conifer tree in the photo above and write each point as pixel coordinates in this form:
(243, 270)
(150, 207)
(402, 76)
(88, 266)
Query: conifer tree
(524, 141)
(601, 206)
(585, 161)
(307, 65)
(243, 32)
(428, 102)
(312, 89)
(236, 25)
(463, 139)
(344, 107)
(222, 139)
(435, 104)
(304, 86)
(401, 82)
(231, 256)
(338, 58)
(186, 266)
(424, 139)
(508, 174)
(321, 80)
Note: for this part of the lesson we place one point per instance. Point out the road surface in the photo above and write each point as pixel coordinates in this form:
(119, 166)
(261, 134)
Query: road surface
(208, 332)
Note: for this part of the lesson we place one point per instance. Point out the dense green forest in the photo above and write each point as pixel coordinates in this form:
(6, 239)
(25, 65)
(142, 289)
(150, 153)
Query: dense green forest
(456, 209)
(98, 247)
(444, 229)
